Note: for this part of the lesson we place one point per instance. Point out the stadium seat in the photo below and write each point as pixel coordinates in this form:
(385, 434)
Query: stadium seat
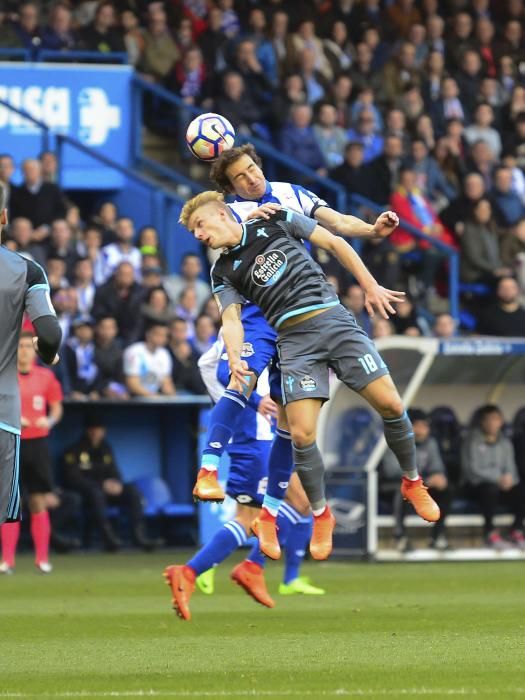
(359, 433)
(158, 499)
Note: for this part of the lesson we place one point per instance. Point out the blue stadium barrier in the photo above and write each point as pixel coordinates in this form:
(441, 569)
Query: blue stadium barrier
(75, 56)
(16, 54)
(158, 499)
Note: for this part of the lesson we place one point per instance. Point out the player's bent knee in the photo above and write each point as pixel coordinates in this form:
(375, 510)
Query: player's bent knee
(303, 437)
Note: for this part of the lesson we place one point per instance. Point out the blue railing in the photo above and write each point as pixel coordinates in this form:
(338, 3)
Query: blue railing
(66, 56)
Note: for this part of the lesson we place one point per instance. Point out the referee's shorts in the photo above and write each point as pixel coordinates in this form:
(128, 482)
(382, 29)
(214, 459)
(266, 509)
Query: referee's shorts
(9, 476)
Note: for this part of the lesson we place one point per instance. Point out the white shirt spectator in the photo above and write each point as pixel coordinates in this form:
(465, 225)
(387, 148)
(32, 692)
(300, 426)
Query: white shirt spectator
(112, 255)
(150, 367)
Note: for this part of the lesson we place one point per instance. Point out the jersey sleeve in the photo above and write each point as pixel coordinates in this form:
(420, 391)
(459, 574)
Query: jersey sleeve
(224, 292)
(37, 299)
(308, 201)
(299, 225)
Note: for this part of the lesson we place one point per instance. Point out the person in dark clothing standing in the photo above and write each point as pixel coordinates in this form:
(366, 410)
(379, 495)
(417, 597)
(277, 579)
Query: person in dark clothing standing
(91, 470)
(506, 317)
(101, 35)
(121, 297)
(40, 202)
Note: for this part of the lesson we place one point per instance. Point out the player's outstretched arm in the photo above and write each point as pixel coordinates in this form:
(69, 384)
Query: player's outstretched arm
(233, 335)
(376, 297)
(353, 227)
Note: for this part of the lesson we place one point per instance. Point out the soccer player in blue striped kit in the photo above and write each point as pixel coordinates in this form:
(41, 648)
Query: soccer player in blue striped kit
(248, 475)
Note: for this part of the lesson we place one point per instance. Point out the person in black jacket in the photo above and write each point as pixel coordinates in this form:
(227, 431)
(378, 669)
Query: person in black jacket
(109, 359)
(186, 375)
(121, 297)
(382, 173)
(40, 202)
(90, 469)
(101, 34)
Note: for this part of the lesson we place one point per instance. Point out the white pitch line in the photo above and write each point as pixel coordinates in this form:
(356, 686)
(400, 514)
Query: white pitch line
(340, 692)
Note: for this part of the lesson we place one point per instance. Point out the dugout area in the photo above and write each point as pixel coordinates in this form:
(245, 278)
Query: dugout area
(458, 374)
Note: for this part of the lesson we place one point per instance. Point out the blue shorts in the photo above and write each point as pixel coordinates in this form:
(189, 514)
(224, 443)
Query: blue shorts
(248, 476)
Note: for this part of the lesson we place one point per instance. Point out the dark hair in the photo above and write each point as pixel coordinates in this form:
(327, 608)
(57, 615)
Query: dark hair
(416, 414)
(227, 158)
(486, 410)
(152, 291)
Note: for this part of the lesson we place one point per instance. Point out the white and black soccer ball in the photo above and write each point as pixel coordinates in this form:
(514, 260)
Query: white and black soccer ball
(208, 135)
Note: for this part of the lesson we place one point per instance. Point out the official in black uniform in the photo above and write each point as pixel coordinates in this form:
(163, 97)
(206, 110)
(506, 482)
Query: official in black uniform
(91, 470)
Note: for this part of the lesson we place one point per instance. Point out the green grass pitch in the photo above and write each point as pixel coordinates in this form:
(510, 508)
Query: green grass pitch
(102, 626)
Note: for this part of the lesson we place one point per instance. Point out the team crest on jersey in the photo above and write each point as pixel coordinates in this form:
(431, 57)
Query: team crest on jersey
(308, 383)
(247, 350)
(269, 268)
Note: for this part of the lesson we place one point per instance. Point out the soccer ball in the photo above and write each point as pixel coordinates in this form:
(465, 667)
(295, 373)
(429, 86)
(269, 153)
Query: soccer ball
(209, 135)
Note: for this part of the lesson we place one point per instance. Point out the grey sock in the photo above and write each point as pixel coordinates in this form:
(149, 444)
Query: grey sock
(310, 470)
(399, 436)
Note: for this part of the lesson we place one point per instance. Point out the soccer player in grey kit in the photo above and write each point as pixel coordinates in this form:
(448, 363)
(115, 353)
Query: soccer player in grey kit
(23, 287)
(265, 262)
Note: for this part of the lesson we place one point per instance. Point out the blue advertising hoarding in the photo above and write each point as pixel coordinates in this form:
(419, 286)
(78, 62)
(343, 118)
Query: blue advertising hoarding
(87, 102)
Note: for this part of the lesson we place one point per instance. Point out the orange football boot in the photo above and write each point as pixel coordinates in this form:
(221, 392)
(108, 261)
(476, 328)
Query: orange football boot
(207, 488)
(321, 541)
(417, 494)
(181, 580)
(265, 529)
(250, 576)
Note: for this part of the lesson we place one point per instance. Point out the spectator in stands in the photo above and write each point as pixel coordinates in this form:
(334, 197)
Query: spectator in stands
(58, 35)
(366, 133)
(28, 28)
(338, 49)
(508, 206)
(190, 275)
(352, 173)
(148, 365)
(506, 317)
(237, 104)
(490, 473)
(211, 309)
(381, 328)
(102, 34)
(431, 468)
(330, 137)
(469, 79)
(257, 30)
(133, 36)
(79, 359)
(123, 250)
(402, 15)
(366, 102)
(341, 94)
(292, 93)
(60, 245)
(297, 139)
(305, 38)
(354, 300)
(400, 71)
(189, 77)
(90, 246)
(462, 207)
(363, 73)
(21, 233)
(316, 86)
(90, 469)
(258, 85)
(56, 272)
(481, 129)
(409, 320)
(160, 50)
(65, 303)
(433, 77)
(85, 285)
(41, 202)
(109, 359)
(445, 327)
(7, 169)
(480, 258)
(513, 251)
(121, 297)
(383, 172)
(415, 209)
(185, 371)
(213, 42)
(482, 160)
(156, 306)
(230, 20)
(430, 179)
(448, 106)
(205, 334)
(460, 39)
(49, 165)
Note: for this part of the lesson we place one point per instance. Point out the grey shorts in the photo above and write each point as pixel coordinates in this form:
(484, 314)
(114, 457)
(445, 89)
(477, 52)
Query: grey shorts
(333, 340)
(9, 474)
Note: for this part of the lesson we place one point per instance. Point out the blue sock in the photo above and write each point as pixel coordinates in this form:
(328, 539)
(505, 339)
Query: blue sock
(286, 519)
(223, 420)
(280, 468)
(296, 547)
(230, 537)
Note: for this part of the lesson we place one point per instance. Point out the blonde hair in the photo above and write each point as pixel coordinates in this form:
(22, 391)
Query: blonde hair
(197, 202)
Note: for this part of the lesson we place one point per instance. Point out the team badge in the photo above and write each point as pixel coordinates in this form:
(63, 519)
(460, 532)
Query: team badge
(247, 350)
(308, 383)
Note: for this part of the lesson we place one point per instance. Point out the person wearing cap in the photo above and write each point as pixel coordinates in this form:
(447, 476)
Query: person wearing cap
(79, 358)
(430, 466)
(89, 468)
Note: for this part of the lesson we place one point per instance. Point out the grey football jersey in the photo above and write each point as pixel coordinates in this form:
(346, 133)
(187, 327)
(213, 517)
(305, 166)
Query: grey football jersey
(23, 287)
(273, 269)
